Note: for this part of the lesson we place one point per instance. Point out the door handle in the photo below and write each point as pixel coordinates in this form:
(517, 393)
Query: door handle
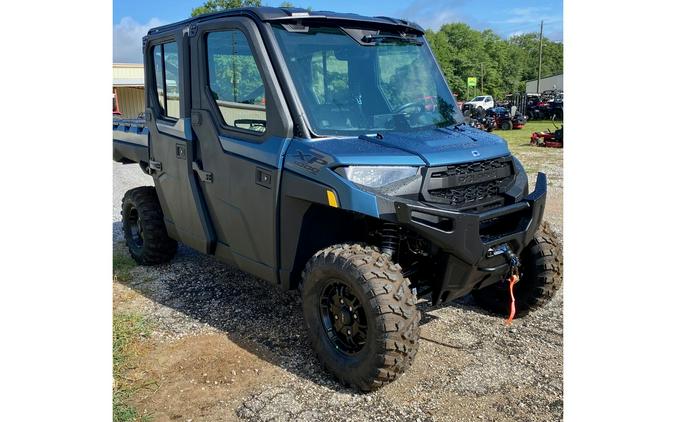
(263, 178)
(180, 151)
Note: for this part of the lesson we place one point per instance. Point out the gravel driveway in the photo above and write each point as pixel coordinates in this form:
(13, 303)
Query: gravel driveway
(227, 346)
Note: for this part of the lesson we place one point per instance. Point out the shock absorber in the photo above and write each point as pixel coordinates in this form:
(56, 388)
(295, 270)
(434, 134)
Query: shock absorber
(390, 238)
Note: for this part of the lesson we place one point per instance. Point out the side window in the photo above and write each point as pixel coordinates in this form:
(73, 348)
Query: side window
(330, 78)
(235, 81)
(165, 63)
(159, 76)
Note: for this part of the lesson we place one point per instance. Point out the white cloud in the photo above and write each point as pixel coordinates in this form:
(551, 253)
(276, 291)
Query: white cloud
(431, 14)
(128, 39)
(529, 15)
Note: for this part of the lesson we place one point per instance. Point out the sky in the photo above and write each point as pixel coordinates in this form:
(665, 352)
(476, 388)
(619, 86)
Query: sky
(133, 18)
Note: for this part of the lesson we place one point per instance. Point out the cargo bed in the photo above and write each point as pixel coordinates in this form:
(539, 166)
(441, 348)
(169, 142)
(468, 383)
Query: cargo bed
(130, 141)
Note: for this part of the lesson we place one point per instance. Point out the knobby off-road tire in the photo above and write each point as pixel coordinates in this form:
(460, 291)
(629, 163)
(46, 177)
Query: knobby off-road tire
(541, 277)
(380, 295)
(144, 230)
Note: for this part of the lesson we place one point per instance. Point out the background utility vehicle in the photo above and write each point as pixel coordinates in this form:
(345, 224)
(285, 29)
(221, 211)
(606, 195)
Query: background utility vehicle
(325, 152)
(507, 119)
(483, 102)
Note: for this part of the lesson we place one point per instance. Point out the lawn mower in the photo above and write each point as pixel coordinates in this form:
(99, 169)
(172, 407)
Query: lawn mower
(548, 139)
(480, 119)
(505, 120)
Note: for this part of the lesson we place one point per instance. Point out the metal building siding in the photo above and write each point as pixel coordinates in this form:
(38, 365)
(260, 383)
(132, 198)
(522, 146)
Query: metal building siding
(552, 82)
(127, 71)
(131, 101)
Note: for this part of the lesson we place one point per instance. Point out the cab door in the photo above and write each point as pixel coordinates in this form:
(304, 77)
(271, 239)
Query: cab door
(243, 127)
(171, 142)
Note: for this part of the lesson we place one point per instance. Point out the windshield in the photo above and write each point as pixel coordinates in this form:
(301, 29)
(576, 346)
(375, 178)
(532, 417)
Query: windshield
(478, 99)
(367, 82)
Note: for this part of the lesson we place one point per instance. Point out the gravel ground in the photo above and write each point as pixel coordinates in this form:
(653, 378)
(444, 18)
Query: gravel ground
(226, 346)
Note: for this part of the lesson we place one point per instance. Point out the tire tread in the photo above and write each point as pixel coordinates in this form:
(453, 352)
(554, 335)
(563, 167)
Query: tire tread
(158, 247)
(392, 301)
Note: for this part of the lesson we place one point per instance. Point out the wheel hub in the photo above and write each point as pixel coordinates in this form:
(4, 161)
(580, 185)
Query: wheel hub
(135, 227)
(343, 318)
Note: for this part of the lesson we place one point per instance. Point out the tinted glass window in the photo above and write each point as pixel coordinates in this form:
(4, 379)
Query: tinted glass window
(329, 78)
(165, 58)
(159, 76)
(365, 82)
(235, 82)
(403, 76)
(172, 81)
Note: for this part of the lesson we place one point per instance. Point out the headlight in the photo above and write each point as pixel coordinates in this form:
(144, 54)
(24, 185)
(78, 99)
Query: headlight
(377, 176)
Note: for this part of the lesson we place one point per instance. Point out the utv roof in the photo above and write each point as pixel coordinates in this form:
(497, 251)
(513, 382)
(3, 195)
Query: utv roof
(279, 14)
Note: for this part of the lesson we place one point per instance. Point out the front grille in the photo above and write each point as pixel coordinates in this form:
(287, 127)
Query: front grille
(466, 194)
(475, 167)
(477, 185)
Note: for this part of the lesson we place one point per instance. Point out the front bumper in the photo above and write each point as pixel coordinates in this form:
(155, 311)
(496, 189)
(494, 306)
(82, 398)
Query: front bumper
(468, 239)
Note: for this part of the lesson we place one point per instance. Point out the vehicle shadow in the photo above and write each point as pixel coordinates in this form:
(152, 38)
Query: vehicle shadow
(258, 317)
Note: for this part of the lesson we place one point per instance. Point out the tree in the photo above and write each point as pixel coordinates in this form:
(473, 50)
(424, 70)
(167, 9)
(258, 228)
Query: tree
(506, 64)
(286, 4)
(211, 6)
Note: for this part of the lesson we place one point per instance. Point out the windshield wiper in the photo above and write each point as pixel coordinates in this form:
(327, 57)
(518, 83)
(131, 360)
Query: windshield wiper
(371, 136)
(391, 38)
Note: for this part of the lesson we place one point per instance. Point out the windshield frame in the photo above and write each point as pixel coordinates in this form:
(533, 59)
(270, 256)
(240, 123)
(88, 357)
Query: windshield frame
(455, 115)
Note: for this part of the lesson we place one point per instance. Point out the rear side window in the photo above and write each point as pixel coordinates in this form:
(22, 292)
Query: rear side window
(235, 81)
(165, 63)
(330, 78)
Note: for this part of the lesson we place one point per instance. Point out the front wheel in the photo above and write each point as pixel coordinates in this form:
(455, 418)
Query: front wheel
(361, 315)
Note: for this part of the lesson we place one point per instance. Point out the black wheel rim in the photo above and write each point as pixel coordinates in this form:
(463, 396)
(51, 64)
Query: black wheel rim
(135, 227)
(343, 317)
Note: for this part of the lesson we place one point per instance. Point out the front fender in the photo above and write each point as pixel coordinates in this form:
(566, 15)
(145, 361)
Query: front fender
(309, 163)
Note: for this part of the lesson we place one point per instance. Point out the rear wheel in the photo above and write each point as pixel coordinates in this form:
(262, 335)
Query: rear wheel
(360, 314)
(507, 125)
(144, 230)
(541, 277)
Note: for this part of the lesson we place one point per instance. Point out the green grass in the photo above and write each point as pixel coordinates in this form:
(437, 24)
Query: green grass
(534, 158)
(519, 139)
(127, 330)
(122, 266)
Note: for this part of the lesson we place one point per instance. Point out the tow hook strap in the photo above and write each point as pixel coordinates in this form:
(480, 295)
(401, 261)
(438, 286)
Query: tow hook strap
(512, 282)
(513, 279)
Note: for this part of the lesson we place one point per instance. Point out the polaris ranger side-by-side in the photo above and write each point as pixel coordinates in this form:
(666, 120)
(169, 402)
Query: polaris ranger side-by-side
(325, 152)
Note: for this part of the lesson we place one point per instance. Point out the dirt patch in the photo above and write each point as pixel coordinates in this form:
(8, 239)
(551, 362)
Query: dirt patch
(204, 377)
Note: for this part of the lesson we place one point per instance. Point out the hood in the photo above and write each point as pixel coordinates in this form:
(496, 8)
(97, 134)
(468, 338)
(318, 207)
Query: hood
(433, 147)
(443, 146)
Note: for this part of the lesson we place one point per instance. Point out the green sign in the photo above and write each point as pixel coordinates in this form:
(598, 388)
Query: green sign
(471, 81)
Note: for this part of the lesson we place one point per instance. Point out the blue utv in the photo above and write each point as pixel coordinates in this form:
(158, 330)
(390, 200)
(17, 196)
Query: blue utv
(324, 152)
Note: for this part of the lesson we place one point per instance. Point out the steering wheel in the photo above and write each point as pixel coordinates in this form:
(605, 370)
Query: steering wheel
(419, 103)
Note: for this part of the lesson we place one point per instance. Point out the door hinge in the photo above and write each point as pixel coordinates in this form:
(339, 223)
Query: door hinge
(204, 176)
(190, 30)
(154, 166)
